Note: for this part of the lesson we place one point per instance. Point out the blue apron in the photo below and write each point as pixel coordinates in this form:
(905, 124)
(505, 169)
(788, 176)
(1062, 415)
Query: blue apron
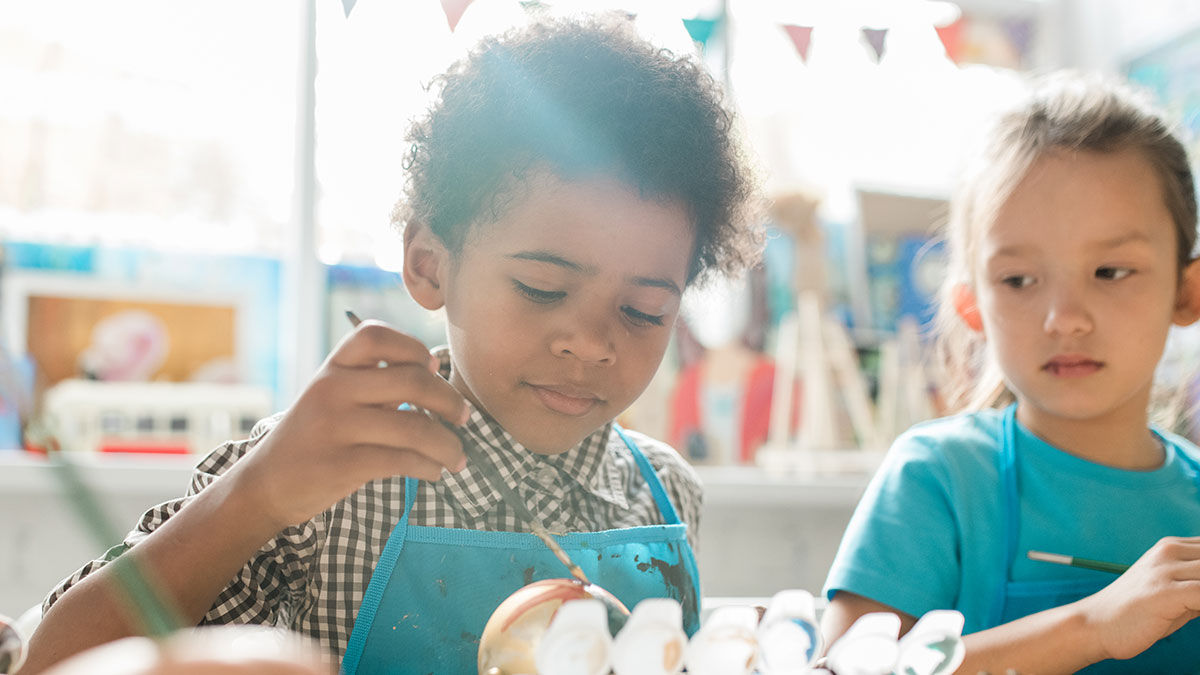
(423, 612)
(1179, 652)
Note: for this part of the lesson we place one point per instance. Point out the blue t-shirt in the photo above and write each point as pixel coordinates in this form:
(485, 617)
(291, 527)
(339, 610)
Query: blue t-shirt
(929, 531)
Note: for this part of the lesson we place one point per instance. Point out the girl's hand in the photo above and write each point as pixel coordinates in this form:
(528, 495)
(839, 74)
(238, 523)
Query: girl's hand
(1151, 600)
(344, 430)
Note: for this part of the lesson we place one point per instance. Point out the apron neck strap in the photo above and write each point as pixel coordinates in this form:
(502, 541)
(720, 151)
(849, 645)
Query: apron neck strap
(669, 514)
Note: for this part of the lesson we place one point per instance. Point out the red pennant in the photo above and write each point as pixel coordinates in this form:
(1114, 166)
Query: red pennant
(876, 38)
(952, 38)
(800, 35)
(454, 10)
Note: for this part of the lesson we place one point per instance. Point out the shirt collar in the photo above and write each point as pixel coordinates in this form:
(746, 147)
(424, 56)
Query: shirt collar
(593, 464)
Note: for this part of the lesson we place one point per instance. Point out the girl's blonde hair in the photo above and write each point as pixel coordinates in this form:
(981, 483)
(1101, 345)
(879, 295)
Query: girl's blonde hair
(1064, 111)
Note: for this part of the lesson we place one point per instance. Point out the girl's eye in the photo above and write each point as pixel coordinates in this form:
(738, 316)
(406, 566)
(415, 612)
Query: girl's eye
(1113, 273)
(538, 295)
(1017, 281)
(642, 318)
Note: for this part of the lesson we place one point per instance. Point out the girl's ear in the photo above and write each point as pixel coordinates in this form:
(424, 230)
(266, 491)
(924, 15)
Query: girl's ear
(426, 263)
(1187, 302)
(967, 308)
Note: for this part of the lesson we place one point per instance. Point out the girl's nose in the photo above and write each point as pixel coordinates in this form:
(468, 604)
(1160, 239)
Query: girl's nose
(1067, 314)
(586, 337)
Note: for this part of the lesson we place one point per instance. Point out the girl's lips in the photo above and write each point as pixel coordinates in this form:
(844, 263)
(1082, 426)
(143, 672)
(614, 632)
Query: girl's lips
(1072, 366)
(566, 400)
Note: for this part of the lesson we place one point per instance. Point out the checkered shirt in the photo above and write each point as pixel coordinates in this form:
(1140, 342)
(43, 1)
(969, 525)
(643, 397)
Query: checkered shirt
(311, 577)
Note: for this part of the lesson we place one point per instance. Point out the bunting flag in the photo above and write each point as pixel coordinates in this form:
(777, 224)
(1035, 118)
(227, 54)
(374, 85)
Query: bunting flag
(454, 10)
(951, 36)
(800, 35)
(876, 37)
(700, 30)
(1020, 34)
(348, 5)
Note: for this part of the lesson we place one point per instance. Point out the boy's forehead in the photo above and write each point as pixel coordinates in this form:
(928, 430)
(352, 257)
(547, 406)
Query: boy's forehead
(587, 225)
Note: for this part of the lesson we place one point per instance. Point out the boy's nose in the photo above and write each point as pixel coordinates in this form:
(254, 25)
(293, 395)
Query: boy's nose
(1067, 314)
(587, 340)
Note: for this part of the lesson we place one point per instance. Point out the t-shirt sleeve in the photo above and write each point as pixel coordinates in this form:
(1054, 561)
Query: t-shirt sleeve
(901, 547)
(257, 593)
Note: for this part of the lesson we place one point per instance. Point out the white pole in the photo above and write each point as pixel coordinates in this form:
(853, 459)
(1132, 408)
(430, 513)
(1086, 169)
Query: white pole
(302, 287)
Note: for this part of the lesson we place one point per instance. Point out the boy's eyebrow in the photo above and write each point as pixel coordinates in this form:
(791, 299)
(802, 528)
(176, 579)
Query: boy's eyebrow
(544, 256)
(658, 283)
(553, 259)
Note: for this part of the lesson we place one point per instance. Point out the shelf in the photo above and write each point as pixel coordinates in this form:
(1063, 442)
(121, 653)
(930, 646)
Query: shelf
(25, 473)
(754, 486)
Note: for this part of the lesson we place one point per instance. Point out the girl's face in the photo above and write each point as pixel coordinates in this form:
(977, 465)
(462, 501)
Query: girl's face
(559, 311)
(1077, 287)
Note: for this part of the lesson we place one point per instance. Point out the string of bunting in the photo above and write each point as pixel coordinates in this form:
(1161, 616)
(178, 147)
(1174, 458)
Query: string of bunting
(969, 39)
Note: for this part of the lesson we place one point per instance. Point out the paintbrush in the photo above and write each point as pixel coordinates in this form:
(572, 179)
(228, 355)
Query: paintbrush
(1072, 561)
(510, 497)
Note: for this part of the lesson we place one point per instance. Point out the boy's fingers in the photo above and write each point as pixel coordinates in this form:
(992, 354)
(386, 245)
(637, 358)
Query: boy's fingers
(374, 342)
(383, 461)
(409, 430)
(389, 387)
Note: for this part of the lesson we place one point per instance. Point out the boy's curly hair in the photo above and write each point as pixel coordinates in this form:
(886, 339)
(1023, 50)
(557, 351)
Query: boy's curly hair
(581, 97)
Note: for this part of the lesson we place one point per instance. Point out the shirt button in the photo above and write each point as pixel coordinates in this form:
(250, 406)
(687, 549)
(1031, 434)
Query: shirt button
(547, 476)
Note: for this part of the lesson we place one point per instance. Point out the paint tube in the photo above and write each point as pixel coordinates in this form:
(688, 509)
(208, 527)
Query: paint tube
(652, 641)
(789, 639)
(577, 641)
(725, 644)
(934, 646)
(869, 647)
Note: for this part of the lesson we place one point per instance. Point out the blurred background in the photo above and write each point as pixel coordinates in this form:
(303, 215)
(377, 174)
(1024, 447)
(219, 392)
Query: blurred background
(191, 194)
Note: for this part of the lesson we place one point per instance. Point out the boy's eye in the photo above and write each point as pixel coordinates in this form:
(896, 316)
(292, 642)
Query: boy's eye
(642, 318)
(1113, 273)
(537, 294)
(1017, 281)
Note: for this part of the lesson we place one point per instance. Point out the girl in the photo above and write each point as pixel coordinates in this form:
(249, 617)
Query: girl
(1071, 256)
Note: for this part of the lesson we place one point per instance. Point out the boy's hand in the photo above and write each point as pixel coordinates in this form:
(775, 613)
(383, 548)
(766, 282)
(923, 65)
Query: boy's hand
(344, 430)
(1152, 599)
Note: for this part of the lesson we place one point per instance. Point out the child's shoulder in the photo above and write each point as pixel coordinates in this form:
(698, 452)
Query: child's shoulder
(665, 460)
(962, 442)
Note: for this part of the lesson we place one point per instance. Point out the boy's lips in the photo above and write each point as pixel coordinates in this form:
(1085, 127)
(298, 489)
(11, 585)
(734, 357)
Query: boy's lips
(566, 399)
(1072, 365)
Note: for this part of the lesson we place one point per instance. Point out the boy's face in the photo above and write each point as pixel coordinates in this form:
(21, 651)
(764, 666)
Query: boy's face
(559, 312)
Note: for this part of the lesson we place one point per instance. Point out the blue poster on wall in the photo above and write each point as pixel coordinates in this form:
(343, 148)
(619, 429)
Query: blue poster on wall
(1169, 71)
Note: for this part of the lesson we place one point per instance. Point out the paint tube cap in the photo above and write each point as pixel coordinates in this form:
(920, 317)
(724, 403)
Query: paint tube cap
(577, 641)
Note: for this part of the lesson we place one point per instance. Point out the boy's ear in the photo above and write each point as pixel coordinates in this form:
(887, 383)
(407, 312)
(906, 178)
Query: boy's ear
(1187, 301)
(967, 308)
(426, 264)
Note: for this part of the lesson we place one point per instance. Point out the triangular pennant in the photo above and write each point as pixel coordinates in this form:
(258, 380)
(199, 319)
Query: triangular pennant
(348, 5)
(1020, 34)
(454, 10)
(801, 36)
(876, 37)
(951, 36)
(700, 29)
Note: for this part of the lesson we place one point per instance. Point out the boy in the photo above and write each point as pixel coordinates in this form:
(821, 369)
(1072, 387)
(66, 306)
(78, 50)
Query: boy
(567, 185)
